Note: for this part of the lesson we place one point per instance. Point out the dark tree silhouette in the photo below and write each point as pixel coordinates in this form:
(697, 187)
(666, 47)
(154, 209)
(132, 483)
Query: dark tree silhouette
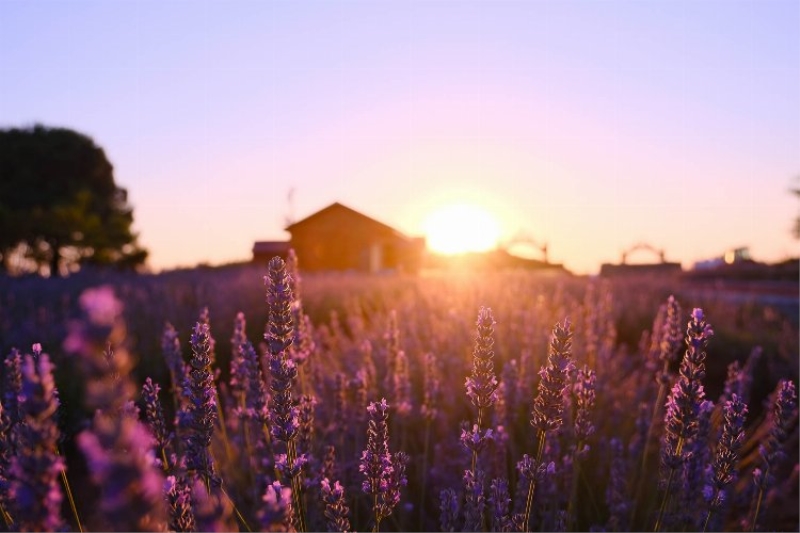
(59, 205)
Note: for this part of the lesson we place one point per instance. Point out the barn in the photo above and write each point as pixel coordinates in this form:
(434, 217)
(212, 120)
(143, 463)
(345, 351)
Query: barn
(340, 238)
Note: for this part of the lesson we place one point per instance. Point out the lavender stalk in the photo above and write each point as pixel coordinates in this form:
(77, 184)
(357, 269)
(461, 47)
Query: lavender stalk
(683, 406)
(548, 406)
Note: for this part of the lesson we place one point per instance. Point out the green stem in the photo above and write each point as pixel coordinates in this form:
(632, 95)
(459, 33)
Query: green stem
(759, 499)
(291, 455)
(708, 519)
(532, 486)
(377, 525)
(7, 518)
(474, 452)
(664, 501)
(69, 497)
(224, 431)
(662, 392)
(235, 510)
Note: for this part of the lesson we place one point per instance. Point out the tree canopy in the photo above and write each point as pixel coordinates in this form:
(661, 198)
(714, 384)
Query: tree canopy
(60, 207)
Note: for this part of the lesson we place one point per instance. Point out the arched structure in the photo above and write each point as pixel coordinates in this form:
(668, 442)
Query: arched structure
(642, 246)
(525, 239)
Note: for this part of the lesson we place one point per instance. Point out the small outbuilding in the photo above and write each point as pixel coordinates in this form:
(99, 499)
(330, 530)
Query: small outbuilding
(340, 238)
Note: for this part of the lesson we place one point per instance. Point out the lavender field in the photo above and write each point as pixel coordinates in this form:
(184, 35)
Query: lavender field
(258, 399)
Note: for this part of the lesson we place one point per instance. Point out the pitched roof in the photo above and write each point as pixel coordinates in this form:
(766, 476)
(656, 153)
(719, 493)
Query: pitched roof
(357, 214)
(266, 247)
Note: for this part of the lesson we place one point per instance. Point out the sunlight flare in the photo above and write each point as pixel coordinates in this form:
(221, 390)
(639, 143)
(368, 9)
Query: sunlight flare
(459, 228)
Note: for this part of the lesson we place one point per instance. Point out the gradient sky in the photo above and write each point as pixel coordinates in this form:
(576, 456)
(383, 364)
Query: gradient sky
(590, 124)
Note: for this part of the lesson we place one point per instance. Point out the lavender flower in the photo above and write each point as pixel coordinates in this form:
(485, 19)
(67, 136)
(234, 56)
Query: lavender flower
(154, 415)
(240, 376)
(376, 462)
(280, 333)
(117, 447)
(291, 470)
(6, 453)
(449, 510)
(397, 480)
(212, 510)
(784, 411)
(336, 510)
(384, 475)
(722, 472)
(499, 501)
(198, 418)
(305, 434)
(257, 398)
(178, 494)
(401, 385)
(36, 467)
(303, 343)
(431, 389)
(474, 439)
(692, 480)
(179, 372)
(12, 387)
(474, 500)
(670, 338)
(684, 405)
(205, 319)
(584, 390)
(392, 337)
(276, 513)
(482, 383)
(279, 337)
(283, 412)
(733, 381)
(10, 418)
(548, 407)
(339, 403)
(359, 393)
(329, 467)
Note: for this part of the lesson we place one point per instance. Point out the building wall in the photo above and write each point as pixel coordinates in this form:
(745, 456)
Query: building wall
(340, 240)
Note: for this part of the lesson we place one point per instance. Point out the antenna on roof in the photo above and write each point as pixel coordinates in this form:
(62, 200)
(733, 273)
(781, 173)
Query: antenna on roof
(289, 218)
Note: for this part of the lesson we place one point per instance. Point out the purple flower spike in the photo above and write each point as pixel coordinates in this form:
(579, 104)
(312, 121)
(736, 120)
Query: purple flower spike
(179, 502)
(154, 415)
(449, 508)
(35, 469)
(197, 420)
(376, 462)
(336, 510)
(384, 474)
(683, 405)
(280, 332)
(723, 469)
(782, 416)
(548, 407)
(482, 383)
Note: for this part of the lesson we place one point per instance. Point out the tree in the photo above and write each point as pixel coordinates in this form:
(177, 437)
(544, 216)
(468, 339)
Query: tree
(59, 205)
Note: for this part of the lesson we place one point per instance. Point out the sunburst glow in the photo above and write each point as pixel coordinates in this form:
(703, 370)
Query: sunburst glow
(461, 228)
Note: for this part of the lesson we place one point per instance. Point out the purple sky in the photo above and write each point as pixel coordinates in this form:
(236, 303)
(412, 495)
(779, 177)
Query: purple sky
(591, 124)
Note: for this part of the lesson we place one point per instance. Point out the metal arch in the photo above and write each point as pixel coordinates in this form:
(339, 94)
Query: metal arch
(643, 246)
(523, 237)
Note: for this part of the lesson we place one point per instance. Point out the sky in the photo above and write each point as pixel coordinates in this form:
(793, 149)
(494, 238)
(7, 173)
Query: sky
(591, 125)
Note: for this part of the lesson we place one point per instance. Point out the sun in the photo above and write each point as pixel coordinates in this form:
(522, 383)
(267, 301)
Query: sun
(459, 228)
